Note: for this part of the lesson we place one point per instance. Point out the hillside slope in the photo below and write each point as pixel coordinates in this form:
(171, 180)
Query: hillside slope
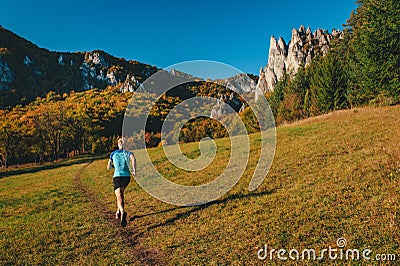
(333, 176)
(28, 71)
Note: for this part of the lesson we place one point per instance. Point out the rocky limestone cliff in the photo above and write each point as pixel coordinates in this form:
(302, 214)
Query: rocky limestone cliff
(302, 48)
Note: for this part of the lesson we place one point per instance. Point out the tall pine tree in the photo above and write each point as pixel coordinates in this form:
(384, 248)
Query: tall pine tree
(375, 29)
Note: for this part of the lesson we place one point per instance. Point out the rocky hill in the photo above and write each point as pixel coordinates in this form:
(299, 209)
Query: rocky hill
(28, 71)
(302, 48)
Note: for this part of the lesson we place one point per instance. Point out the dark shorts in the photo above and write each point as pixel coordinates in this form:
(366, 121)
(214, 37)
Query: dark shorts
(121, 181)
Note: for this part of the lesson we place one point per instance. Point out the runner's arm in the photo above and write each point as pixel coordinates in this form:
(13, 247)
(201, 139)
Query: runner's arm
(110, 165)
(133, 161)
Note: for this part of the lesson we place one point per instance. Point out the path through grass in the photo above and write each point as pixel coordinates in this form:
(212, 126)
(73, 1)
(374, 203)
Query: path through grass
(333, 176)
(45, 220)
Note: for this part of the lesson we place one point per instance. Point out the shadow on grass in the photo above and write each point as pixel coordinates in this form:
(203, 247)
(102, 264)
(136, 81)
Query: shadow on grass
(48, 166)
(186, 212)
(153, 213)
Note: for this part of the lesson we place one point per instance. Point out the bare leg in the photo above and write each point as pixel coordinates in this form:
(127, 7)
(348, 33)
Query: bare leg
(119, 193)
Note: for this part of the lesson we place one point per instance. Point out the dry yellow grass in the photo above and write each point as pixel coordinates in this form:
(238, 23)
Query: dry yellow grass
(333, 176)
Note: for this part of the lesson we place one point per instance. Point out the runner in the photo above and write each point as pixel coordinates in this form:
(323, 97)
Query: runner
(119, 160)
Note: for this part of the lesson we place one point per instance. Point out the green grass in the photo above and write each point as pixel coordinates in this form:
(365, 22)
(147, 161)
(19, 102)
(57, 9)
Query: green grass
(333, 176)
(44, 220)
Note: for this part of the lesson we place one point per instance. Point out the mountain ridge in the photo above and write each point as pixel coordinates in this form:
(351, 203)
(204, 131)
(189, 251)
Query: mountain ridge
(28, 71)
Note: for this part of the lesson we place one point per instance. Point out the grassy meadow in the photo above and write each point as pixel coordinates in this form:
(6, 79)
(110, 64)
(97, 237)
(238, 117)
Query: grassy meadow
(333, 176)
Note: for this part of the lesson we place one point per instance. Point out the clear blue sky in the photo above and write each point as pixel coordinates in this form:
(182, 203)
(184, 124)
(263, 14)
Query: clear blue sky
(163, 33)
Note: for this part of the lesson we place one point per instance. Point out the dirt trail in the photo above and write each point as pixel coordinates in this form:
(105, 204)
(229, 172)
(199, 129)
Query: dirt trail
(142, 255)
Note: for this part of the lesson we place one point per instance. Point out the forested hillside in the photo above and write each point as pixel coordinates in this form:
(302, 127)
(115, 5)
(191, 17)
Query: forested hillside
(360, 68)
(28, 71)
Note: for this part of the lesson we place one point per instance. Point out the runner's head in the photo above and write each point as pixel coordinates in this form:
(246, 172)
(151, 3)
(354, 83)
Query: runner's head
(120, 143)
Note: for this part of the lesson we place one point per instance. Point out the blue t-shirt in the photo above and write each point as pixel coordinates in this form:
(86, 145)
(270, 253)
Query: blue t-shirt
(121, 159)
